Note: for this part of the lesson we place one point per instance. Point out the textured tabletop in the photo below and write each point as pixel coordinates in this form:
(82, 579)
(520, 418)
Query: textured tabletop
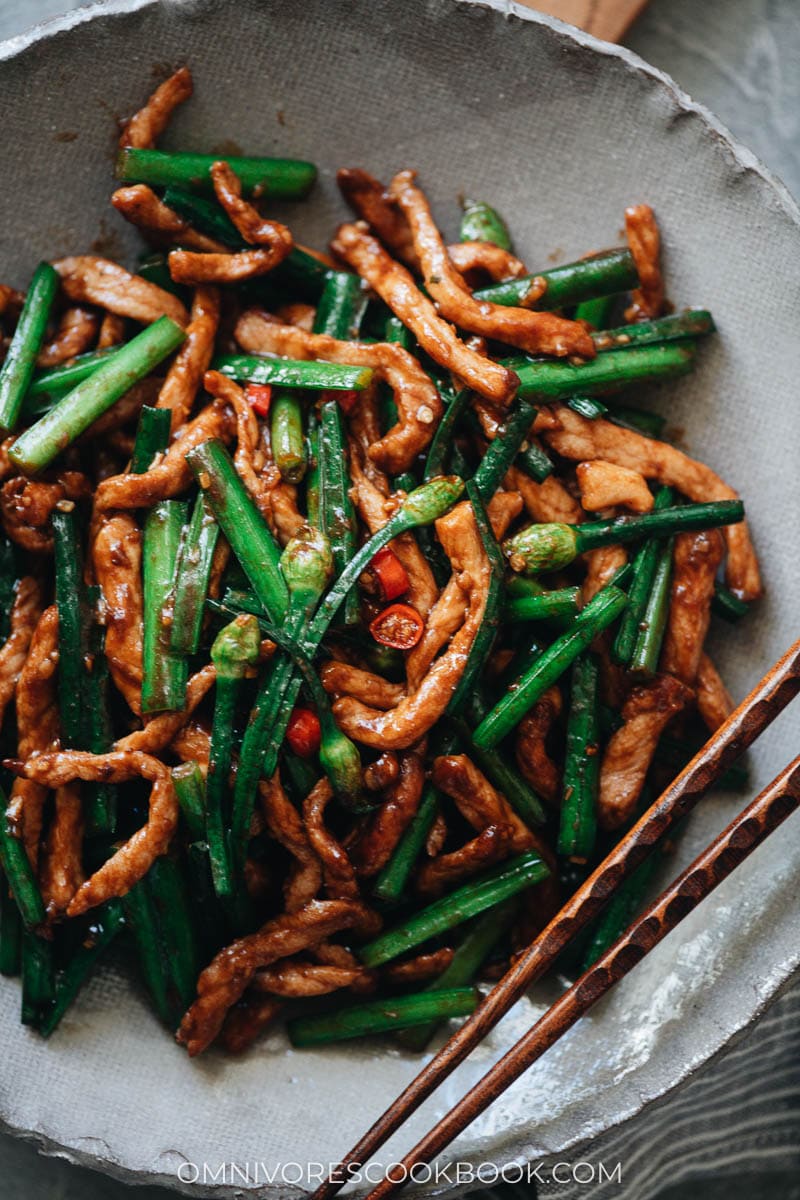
(734, 1130)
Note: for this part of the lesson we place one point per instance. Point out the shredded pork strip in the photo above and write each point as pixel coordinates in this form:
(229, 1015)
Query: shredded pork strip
(546, 501)
(342, 679)
(375, 508)
(89, 279)
(190, 364)
(112, 331)
(714, 702)
(133, 859)
(601, 565)
(296, 980)
(448, 613)
(161, 730)
(37, 729)
(534, 762)
(418, 969)
(170, 474)
(26, 609)
(369, 200)
(271, 239)
(416, 713)
(397, 289)
(492, 845)
(27, 504)
(62, 865)
(644, 241)
(695, 560)
(117, 561)
(576, 438)
(160, 224)
(338, 873)
(535, 332)
(607, 485)
(76, 333)
(222, 982)
(382, 773)
(478, 801)
(376, 845)
(494, 261)
(419, 405)
(285, 825)
(645, 714)
(146, 126)
(246, 1020)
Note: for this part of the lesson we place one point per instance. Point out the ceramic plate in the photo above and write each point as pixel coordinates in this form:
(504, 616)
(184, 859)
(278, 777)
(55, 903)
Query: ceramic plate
(560, 132)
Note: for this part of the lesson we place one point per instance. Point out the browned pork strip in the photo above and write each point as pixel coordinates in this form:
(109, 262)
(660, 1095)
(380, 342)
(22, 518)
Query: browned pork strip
(37, 728)
(369, 200)
(76, 333)
(405, 724)
(447, 615)
(644, 241)
(446, 871)
(134, 858)
(160, 224)
(89, 279)
(147, 125)
(294, 979)
(222, 982)
(535, 332)
(26, 610)
(397, 288)
(646, 714)
(170, 474)
(117, 561)
(494, 261)
(112, 331)
(477, 800)
(418, 969)
(342, 679)
(161, 730)
(376, 845)
(337, 870)
(26, 506)
(62, 865)
(714, 702)
(533, 759)
(246, 1020)
(284, 823)
(695, 560)
(607, 485)
(574, 437)
(190, 364)
(419, 405)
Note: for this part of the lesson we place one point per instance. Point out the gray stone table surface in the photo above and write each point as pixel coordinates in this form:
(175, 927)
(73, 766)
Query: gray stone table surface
(742, 59)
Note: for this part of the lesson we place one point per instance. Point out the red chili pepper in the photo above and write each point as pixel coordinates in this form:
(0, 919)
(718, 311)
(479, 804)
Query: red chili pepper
(346, 400)
(391, 575)
(399, 626)
(259, 397)
(303, 732)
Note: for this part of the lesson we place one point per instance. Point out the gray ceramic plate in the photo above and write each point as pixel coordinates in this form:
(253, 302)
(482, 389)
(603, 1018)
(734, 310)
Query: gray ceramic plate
(561, 132)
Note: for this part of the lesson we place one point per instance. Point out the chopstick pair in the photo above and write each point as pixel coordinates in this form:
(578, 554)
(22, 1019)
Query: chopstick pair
(751, 827)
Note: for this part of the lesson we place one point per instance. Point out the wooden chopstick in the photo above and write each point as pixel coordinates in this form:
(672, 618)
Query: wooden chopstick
(752, 826)
(769, 697)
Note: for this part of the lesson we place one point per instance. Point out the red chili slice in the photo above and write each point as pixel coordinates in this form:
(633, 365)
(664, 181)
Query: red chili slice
(391, 575)
(259, 397)
(303, 732)
(399, 626)
(347, 401)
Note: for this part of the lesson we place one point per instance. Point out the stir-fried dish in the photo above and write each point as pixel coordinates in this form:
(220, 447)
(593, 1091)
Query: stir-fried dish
(350, 612)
